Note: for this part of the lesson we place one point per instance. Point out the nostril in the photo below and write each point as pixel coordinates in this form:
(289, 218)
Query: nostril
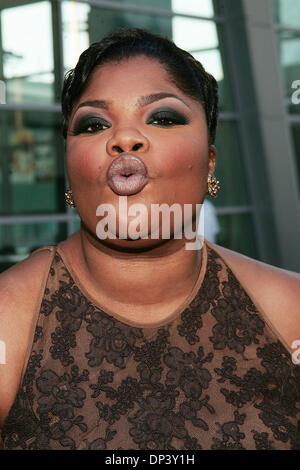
(117, 148)
(137, 146)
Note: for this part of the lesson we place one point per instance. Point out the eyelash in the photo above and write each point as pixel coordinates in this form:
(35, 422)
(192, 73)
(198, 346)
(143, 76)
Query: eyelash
(177, 119)
(84, 124)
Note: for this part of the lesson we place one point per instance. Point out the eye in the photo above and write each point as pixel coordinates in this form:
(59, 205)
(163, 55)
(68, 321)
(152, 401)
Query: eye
(89, 126)
(167, 119)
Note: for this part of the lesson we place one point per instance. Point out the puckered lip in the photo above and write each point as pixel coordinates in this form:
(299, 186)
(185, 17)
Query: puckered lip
(127, 175)
(126, 165)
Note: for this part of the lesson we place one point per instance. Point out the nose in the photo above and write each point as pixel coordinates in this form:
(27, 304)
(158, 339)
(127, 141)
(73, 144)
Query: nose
(127, 140)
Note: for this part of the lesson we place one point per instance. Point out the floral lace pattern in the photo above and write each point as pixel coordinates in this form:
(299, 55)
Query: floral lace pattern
(215, 377)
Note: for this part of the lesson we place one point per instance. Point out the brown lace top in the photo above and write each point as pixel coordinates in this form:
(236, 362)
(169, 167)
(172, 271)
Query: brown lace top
(214, 376)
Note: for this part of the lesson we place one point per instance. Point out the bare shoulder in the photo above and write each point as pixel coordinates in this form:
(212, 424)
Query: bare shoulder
(20, 288)
(20, 283)
(274, 291)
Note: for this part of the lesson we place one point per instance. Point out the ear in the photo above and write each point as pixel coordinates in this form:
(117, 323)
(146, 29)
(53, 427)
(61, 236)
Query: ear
(212, 157)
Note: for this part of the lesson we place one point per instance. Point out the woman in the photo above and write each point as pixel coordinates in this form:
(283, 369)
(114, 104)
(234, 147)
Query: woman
(136, 341)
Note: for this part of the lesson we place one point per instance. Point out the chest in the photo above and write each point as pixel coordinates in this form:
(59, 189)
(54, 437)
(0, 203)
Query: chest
(205, 381)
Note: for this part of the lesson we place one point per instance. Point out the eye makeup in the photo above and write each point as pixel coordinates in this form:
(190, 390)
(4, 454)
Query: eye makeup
(86, 122)
(161, 117)
(167, 114)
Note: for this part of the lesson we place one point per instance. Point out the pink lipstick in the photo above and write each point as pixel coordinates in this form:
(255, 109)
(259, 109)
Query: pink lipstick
(127, 175)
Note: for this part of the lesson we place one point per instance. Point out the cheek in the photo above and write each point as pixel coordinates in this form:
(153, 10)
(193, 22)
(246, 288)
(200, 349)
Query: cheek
(186, 158)
(82, 165)
(185, 169)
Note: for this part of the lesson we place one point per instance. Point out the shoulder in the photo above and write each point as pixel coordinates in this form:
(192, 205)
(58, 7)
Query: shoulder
(20, 287)
(274, 291)
(19, 283)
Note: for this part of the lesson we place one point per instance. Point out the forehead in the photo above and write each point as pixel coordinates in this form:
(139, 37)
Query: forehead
(135, 72)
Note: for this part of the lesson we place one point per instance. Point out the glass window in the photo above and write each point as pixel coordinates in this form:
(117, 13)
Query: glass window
(17, 241)
(286, 12)
(289, 46)
(194, 35)
(229, 167)
(28, 53)
(190, 7)
(193, 7)
(75, 31)
(32, 163)
(237, 233)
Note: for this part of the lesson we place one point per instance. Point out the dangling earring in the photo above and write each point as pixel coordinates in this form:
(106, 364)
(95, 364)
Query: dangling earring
(69, 197)
(212, 186)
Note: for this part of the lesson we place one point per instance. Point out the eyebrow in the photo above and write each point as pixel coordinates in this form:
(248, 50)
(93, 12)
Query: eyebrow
(142, 101)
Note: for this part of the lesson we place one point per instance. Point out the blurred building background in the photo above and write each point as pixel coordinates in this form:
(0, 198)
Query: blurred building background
(252, 47)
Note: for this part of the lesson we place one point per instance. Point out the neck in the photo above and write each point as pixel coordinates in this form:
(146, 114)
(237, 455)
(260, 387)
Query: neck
(147, 277)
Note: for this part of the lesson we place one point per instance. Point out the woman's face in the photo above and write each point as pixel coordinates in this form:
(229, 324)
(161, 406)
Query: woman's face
(123, 111)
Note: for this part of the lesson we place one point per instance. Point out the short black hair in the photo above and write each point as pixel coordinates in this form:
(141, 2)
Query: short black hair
(187, 73)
